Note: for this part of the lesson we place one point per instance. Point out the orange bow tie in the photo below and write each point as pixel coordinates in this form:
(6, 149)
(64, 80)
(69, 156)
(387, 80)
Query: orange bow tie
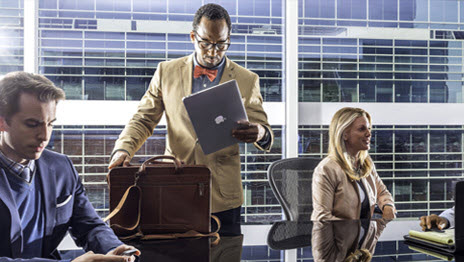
(210, 73)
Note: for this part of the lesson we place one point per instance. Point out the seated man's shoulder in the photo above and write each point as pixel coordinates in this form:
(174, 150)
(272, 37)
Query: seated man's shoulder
(59, 164)
(55, 157)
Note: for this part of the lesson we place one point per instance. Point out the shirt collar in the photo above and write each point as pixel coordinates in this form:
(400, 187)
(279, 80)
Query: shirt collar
(218, 67)
(15, 167)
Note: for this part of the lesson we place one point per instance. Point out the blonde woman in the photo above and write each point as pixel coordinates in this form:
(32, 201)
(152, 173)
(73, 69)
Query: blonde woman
(345, 183)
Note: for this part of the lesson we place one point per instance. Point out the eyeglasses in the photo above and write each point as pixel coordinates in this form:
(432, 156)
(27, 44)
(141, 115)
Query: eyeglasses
(205, 45)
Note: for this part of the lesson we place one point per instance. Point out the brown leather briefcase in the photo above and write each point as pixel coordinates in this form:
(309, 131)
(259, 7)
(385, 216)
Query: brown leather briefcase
(160, 199)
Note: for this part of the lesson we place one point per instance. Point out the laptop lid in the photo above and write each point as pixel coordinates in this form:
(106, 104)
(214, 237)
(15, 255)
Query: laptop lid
(214, 112)
(459, 216)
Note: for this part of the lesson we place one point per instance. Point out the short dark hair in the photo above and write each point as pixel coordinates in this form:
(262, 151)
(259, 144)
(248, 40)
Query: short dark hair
(13, 84)
(212, 12)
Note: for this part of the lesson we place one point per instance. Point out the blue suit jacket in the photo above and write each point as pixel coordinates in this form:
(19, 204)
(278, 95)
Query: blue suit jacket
(66, 208)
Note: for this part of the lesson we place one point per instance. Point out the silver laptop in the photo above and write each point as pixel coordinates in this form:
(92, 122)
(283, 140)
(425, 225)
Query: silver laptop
(214, 112)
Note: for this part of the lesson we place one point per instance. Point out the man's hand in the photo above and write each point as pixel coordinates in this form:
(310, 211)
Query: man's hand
(427, 222)
(113, 255)
(388, 212)
(120, 157)
(248, 132)
(91, 257)
(119, 250)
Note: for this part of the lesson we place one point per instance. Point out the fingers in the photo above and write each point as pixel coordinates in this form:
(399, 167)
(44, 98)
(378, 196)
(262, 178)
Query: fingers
(115, 162)
(442, 223)
(110, 257)
(246, 132)
(119, 158)
(114, 258)
(120, 250)
(126, 161)
(423, 224)
(389, 216)
(127, 247)
(243, 122)
(428, 221)
(388, 213)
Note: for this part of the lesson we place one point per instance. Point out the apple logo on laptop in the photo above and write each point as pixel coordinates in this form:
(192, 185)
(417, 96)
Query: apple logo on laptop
(219, 119)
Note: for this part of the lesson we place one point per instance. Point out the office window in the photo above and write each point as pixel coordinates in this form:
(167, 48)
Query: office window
(11, 36)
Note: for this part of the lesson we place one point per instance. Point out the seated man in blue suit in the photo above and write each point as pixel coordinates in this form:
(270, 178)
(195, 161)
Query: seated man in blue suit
(41, 196)
(444, 220)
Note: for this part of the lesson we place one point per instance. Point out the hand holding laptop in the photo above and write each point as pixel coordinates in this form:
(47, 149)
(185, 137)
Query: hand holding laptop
(215, 112)
(248, 132)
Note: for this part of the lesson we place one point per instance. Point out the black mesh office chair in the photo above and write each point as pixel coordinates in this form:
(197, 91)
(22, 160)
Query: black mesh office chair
(290, 180)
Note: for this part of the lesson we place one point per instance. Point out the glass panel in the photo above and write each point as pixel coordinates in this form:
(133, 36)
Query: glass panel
(444, 11)
(319, 8)
(416, 10)
(352, 9)
(383, 10)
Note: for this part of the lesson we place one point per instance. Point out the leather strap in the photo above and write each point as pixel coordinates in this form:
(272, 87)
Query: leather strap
(129, 229)
(188, 234)
(178, 165)
(122, 201)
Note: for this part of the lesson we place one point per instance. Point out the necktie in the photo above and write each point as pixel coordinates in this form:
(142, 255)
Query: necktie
(26, 174)
(210, 73)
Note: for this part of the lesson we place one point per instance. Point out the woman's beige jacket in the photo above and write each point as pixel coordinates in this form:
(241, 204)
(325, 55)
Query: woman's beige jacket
(333, 241)
(336, 196)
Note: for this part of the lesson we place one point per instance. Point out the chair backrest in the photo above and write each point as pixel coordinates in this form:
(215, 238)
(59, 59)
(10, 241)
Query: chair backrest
(290, 180)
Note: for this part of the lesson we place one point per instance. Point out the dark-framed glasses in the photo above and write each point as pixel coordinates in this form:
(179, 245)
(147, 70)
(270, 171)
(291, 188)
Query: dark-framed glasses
(205, 45)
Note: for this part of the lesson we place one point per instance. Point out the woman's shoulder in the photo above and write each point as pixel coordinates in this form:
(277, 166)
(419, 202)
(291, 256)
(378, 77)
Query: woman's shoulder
(328, 162)
(328, 166)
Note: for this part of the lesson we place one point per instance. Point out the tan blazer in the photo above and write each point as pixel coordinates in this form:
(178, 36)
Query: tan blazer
(333, 241)
(336, 196)
(171, 82)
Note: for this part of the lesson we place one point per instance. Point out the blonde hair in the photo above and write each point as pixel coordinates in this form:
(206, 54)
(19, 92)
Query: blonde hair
(342, 119)
(359, 255)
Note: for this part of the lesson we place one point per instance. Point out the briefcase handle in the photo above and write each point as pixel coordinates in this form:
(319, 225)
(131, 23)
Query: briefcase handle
(177, 163)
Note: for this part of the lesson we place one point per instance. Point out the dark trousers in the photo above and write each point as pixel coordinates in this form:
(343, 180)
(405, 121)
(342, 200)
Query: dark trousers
(230, 222)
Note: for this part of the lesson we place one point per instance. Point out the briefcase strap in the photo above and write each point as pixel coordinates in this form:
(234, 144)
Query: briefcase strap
(121, 204)
(139, 234)
(188, 234)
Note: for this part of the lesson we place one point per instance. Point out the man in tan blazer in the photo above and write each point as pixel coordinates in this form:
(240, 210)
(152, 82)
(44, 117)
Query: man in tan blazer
(178, 78)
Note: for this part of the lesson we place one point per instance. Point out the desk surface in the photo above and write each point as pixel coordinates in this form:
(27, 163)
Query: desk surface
(297, 241)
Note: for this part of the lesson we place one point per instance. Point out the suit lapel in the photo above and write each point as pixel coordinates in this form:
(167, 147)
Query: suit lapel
(47, 181)
(186, 75)
(186, 78)
(7, 198)
(229, 72)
